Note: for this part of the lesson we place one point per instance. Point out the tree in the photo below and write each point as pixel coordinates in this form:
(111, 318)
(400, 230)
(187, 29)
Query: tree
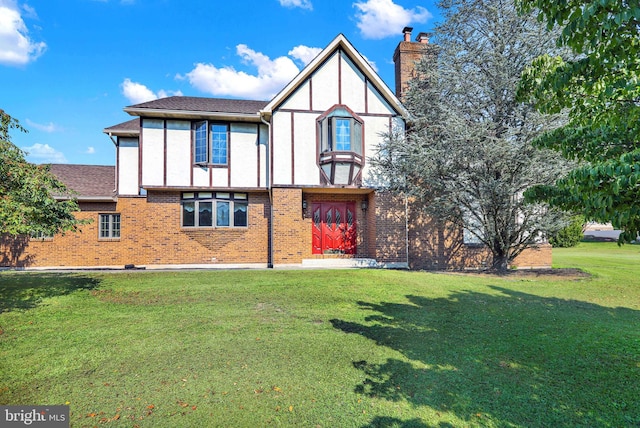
(28, 203)
(601, 91)
(467, 156)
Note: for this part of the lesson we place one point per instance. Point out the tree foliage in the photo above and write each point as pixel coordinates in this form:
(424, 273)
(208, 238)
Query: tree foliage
(28, 203)
(601, 91)
(467, 156)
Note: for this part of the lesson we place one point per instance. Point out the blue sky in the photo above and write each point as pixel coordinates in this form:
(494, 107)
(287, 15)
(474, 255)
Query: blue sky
(68, 67)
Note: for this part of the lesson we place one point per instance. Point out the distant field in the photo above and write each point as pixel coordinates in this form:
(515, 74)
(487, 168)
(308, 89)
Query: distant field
(329, 348)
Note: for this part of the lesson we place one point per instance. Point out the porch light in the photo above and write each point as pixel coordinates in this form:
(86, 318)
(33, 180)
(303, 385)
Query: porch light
(364, 205)
(304, 204)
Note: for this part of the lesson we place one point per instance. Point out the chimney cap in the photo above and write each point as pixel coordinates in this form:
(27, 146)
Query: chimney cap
(423, 37)
(407, 30)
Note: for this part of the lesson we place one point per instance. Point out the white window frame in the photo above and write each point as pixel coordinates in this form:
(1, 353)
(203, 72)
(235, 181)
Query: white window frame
(113, 222)
(217, 199)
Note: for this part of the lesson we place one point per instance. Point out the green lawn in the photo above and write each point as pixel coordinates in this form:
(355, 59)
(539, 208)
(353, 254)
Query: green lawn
(329, 348)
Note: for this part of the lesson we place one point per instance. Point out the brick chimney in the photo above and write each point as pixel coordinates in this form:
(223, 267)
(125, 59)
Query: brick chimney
(405, 57)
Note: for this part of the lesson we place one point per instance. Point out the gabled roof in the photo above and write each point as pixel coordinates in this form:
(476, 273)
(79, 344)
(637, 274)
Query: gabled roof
(130, 128)
(90, 182)
(340, 42)
(198, 107)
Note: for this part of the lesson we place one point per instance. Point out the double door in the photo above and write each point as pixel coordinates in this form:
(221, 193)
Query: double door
(334, 228)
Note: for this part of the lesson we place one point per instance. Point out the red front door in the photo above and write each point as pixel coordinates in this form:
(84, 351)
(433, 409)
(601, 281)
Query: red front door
(334, 228)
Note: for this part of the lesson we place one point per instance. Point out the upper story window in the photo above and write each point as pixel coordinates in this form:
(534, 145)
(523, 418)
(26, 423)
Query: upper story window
(211, 143)
(340, 131)
(214, 209)
(341, 156)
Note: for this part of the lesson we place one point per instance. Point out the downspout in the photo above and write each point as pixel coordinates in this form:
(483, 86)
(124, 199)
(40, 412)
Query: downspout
(406, 227)
(269, 188)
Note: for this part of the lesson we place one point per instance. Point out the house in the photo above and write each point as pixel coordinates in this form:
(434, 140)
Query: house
(207, 182)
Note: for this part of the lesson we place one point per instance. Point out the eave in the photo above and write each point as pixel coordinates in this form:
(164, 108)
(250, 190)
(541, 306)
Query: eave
(192, 114)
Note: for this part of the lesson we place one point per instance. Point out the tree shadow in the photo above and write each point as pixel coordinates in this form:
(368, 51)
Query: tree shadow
(13, 249)
(27, 290)
(506, 359)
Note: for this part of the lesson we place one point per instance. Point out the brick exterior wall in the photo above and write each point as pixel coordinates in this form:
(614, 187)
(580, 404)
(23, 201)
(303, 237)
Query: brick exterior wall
(150, 234)
(389, 228)
(434, 246)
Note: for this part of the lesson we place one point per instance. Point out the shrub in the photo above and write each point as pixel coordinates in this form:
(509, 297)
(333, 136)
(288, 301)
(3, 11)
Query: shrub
(570, 235)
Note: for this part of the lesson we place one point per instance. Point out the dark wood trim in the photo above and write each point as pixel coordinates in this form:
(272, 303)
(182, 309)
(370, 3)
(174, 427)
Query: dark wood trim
(140, 155)
(366, 95)
(228, 155)
(164, 166)
(193, 149)
(293, 149)
(117, 177)
(339, 76)
(270, 154)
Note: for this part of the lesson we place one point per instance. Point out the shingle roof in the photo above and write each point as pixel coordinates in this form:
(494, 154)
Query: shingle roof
(89, 181)
(217, 105)
(128, 127)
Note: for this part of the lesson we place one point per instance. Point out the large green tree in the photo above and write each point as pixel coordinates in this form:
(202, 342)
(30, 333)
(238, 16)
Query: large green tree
(467, 157)
(30, 194)
(600, 89)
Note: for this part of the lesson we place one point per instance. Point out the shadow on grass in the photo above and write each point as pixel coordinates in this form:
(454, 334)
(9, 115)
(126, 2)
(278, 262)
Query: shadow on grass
(508, 359)
(27, 290)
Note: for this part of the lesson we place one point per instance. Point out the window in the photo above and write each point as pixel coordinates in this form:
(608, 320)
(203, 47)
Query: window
(341, 146)
(109, 226)
(211, 143)
(209, 209)
(40, 236)
(340, 131)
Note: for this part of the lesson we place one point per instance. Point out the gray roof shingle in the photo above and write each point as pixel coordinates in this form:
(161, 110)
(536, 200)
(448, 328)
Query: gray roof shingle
(130, 126)
(214, 105)
(89, 181)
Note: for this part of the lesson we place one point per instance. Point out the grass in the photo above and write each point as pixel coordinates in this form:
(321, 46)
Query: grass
(349, 348)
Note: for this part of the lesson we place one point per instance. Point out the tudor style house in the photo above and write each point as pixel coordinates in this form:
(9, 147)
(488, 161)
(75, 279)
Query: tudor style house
(207, 182)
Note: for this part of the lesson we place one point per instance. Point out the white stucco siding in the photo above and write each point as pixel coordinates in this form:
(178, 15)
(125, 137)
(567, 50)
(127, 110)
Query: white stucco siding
(244, 155)
(305, 151)
(325, 85)
(200, 176)
(300, 99)
(178, 153)
(376, 102)
(128, 166)
(220, 177)
(264, 163)
(281, 129)
(374, 126)
(353, 85)
(152, 152)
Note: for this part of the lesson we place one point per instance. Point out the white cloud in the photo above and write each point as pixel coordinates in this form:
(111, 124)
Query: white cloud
(138, 93)
(49, 127)
(303, 4)
(378, 19)
(44, 153)
(272, 76)
(304, 53)
(16, 48)
(90, 150)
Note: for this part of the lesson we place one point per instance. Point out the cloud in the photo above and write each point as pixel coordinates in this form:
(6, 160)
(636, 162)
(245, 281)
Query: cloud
(90, 150)
(138, 93)
(49, 127)
(305, 54)
(378, 19)
(44, 153)
(16, 48)
(272, 76)
(303, 4)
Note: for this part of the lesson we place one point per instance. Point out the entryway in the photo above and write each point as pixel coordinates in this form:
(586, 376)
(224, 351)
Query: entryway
(334, 227)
